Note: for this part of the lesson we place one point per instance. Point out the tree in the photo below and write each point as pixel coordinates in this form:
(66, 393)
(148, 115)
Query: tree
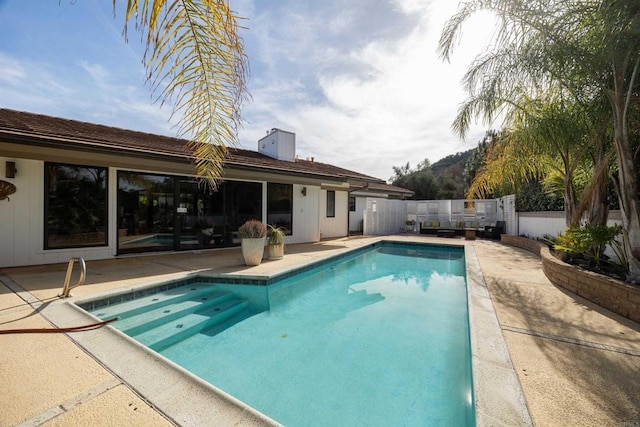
(421, 180)
(478, 157)
(448, 188)
(195, 57)
(556, 130)
(534, 198)
(590, 48)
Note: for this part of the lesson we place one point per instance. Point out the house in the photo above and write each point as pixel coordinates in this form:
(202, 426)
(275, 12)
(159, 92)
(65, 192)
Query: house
(98, 192)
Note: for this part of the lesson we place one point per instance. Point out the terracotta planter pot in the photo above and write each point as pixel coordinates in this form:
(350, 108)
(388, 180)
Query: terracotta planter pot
(275, 251)
(253, 250)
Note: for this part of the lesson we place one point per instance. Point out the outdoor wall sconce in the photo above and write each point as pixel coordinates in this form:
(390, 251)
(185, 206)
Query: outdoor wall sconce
(304, 191)
(11, 170)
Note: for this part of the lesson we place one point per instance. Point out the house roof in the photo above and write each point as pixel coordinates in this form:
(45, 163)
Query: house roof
(375, 187)
(30, 128)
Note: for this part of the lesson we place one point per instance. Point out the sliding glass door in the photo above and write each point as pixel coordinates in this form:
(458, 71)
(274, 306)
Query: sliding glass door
(146, 212)
(160, 212)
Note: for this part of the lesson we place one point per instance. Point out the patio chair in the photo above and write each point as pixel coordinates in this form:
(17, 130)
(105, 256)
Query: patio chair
(494, 231)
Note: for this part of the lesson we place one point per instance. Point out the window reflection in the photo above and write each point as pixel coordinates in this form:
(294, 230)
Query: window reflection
(75, 206)
(146, 212)
(160, 212)
(331, 203)
(280, 206)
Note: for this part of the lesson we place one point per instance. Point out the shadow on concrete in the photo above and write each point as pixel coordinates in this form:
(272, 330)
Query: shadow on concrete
(607, 379)
(31, 313)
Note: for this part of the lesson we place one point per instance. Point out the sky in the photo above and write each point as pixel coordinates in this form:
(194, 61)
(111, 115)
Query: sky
(359, 82)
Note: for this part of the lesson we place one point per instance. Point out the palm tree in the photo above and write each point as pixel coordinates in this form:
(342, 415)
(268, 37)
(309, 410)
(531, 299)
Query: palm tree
(590, 48)
(195, 57)
(547, 138)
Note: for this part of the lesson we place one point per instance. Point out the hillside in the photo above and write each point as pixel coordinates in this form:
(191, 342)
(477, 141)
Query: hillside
(442, 180)
(449, 173)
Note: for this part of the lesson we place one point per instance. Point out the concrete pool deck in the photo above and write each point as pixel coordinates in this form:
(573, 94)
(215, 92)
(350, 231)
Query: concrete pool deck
(578, 364)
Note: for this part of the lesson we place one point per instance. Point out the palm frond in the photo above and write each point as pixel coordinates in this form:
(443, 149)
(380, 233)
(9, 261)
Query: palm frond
(508, 165)
(195, 57)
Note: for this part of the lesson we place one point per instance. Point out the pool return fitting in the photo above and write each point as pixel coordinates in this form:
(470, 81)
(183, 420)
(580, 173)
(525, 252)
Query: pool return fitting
(66, 289)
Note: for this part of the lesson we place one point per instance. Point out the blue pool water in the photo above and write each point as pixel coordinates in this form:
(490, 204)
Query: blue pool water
(376, 338)
(158, 239)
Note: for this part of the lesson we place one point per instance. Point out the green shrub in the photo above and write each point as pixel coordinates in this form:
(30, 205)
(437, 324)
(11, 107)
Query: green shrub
(590, 241)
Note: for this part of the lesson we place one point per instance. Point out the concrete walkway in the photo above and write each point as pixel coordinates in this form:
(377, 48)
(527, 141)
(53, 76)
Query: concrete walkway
(578, 364)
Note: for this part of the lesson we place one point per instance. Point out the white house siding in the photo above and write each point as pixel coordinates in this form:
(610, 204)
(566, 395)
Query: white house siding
(22, 222)
(16, 212)
(338, 225)
(22, 218)
(306, 214)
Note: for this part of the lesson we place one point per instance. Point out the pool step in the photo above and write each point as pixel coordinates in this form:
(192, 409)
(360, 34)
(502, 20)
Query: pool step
(170, 333)
(150, 319)
(153, 301)
(230, 321)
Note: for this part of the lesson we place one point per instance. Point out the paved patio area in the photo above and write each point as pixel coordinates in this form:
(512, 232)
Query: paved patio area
(578, 364)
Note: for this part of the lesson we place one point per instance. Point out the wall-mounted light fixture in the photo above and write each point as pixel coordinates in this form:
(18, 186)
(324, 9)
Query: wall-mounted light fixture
(304, 191)
(11, 170)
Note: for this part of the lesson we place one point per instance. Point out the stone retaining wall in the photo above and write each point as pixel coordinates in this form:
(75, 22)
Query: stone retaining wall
(615, 295)
(522, 242)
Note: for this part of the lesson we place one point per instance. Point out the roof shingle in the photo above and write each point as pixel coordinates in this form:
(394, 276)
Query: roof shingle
(40, 128)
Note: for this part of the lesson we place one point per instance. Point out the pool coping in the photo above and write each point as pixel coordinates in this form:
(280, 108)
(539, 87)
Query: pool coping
(497, 391)
(499, 399)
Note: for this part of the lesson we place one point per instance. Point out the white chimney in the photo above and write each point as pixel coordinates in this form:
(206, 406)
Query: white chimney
(278, 144)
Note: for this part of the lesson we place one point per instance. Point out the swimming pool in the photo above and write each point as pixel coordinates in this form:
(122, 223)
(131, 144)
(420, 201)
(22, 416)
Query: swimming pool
(378, 337)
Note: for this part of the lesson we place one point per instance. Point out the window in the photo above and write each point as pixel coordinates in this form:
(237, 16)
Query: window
(352, 204)
(146, 212)
(75, 205)
(167, 212)
(331, 204)
(280, 206)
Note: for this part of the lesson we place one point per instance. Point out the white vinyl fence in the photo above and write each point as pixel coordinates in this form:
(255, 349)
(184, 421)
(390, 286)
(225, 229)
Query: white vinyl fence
(384, 216)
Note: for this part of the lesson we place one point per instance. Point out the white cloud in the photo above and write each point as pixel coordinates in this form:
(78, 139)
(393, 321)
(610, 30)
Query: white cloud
(12, 70)
(390, 101)
(99, 74)
(358, 81)
(100, 98)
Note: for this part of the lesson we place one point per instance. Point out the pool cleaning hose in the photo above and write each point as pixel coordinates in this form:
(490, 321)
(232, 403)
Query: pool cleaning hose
(57, 330)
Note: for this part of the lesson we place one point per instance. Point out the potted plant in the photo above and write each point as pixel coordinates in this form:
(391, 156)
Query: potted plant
(252, 234)
(275, 242)
(410, 223)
